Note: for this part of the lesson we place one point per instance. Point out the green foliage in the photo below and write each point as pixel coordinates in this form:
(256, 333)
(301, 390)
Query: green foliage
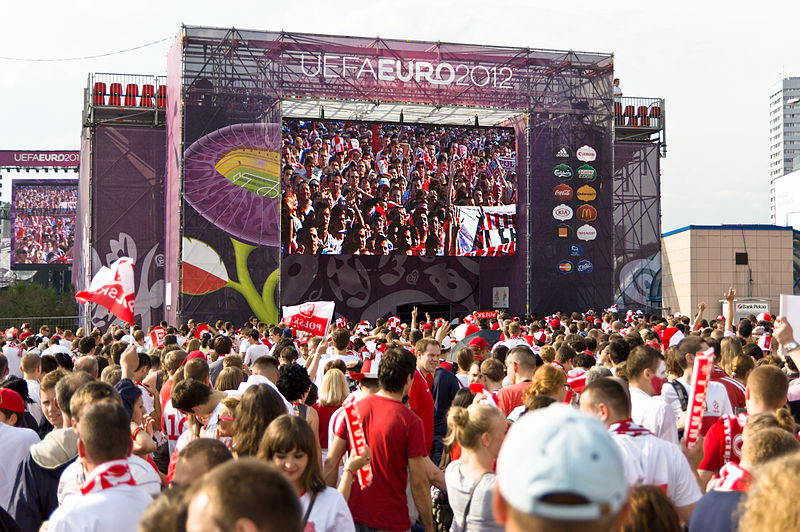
(23, 299)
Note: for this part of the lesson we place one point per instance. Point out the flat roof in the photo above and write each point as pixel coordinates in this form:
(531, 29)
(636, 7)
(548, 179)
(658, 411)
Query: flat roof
(731, 227)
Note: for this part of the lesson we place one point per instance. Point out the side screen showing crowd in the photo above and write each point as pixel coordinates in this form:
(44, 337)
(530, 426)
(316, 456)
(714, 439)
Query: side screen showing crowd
(44, 223)
(379, 189)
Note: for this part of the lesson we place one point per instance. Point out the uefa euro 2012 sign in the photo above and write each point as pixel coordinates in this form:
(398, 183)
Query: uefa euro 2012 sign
(405, 71)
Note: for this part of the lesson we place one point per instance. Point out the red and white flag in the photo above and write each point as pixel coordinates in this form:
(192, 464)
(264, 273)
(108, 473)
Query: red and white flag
(112, 288)
(313, 317)
(358, 441)
(701, 375)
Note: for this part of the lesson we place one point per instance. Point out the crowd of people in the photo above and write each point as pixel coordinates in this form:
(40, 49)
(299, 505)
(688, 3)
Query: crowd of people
(388, 189)
(44, 223)
(561, 422)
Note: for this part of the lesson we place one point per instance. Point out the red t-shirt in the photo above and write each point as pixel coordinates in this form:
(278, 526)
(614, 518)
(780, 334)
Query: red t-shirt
(394, 435)
(734, 388)
(324, 413)
(510, 397)
(723, 443)
(420, 400)
(164, 394)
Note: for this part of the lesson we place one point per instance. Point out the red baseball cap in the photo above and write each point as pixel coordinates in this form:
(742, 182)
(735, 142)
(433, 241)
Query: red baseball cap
(425, 326)
(195, 354)
(478, 343)
(11, 400)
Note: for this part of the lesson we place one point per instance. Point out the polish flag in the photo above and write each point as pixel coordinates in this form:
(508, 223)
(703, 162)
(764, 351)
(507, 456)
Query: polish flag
(313, 317)
(112, 288)
(202, 270)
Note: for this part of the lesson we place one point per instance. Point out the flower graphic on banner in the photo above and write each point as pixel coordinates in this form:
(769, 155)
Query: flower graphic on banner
(203, 272)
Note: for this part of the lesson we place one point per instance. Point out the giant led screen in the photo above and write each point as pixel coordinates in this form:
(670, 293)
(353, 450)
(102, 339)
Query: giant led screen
(43, 221)
(387, 188)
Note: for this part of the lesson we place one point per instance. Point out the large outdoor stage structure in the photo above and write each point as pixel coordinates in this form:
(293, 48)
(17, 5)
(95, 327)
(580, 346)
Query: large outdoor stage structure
(227, 93)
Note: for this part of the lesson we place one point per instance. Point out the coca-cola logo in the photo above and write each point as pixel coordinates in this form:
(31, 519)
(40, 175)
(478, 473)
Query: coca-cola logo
(307, 309)
(562, 212)
(586, 233)
(562, 171)
(562, 192)
(587, 213)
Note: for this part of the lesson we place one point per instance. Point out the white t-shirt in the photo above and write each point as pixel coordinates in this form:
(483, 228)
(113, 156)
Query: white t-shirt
(34, 391)
(254, 352)
(56, 348)
(330, 512)
(516, 413)
(651, 460)
(15, 442)
(73, 477)
(654, 414)
(118, 508)
(717, 401)
(174, 423)
(323, 361)
(13, 353)
(463, 378)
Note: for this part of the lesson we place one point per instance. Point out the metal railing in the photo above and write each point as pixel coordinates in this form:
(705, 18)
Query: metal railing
(126, 90)
(63, 322)
(639, 112)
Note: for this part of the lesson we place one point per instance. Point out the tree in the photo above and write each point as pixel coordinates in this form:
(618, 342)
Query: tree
(27, 299)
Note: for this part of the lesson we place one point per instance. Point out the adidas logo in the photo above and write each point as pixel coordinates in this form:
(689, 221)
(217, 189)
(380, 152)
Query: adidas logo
(563, 153)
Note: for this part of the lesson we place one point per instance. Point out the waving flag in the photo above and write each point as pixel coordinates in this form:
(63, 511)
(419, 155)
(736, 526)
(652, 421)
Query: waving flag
(112, 288)
(202, 269)
(313, 317)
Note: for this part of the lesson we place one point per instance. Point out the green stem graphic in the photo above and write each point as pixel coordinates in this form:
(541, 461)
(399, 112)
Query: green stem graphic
(262, 308)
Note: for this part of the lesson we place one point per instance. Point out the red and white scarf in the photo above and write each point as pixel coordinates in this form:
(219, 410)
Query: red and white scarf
(108, 475)
(629, 428)
(731, 478)
(728, 449)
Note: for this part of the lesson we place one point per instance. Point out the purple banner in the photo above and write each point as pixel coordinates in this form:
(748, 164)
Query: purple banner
(128, 213)
(365, 287)
(33, 159)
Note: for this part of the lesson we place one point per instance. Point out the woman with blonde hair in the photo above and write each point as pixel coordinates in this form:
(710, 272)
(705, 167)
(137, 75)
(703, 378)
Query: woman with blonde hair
(479, 430)
(729, 349)
(548, 381)
(332, 394)
(741, 367)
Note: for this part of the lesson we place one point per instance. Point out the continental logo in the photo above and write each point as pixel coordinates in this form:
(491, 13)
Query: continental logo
(586, 193)
(586, 213)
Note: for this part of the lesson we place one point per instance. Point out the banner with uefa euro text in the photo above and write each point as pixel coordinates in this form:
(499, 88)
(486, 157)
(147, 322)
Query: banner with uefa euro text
(703, 363)
(312, 317)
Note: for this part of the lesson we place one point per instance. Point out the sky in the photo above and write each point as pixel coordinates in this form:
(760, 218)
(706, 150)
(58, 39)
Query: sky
(715, 63)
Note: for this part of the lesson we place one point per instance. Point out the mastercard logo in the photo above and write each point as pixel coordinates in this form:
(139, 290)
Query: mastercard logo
(565, 266)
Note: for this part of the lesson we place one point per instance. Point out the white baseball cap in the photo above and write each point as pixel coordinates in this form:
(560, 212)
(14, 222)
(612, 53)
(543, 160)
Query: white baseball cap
(561, 450)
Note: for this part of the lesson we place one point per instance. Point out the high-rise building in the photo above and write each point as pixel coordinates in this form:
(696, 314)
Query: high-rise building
(784, 134)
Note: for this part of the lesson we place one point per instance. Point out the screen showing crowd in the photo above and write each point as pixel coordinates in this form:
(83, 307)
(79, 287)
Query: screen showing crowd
(43, 222)
(378, 189)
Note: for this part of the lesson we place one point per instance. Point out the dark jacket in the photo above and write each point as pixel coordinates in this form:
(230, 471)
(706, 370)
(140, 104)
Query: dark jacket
(34, 497)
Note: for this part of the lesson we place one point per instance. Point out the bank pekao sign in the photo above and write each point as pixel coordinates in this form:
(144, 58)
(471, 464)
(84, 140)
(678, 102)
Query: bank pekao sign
(392, 70)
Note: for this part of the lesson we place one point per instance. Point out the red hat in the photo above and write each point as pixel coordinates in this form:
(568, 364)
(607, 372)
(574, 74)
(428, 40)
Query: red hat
(720, 318)
(425, 326)
(471, 329)
(478, 343)
(341, 323)
(540, 336)
(11, 400)
(764, 317)
(555, 323)
(195, 354)
(23, 336)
